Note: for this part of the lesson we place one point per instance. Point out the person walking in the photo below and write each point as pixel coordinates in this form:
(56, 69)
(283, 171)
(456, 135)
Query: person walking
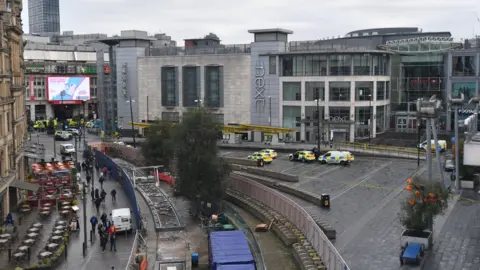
(105, 172)
(94, 222)
(97, 195)
(112, 231)
(88, 179)
(101, 180)
(102, 232)
(103, 218)
(98, 202)
(114, 195)
(93, 195)
(103, 195)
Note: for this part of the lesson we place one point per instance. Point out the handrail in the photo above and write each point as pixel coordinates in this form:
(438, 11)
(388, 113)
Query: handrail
(295, 214)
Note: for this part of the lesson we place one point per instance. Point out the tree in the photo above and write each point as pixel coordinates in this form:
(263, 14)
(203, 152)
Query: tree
(158, 148)
(426, 200)
(201, 172)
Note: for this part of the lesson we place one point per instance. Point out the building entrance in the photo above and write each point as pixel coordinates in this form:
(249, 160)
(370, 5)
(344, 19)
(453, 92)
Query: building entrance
(63, 112)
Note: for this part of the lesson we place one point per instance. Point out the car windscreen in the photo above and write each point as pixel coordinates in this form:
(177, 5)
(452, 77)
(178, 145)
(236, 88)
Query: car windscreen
(69, 147)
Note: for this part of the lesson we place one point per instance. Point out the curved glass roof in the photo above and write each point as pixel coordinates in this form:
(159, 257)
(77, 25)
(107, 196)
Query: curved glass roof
(420, 45)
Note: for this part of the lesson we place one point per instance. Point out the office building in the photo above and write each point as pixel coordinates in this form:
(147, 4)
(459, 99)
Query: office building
(13, 129)
(44, 17)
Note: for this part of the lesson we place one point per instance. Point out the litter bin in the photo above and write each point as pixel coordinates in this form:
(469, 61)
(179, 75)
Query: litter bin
(260, 163)
(325, 200)
(194, 259)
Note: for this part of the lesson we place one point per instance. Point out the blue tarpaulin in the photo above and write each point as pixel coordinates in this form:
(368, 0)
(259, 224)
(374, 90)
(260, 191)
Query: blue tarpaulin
(230, 248)
(250, 266)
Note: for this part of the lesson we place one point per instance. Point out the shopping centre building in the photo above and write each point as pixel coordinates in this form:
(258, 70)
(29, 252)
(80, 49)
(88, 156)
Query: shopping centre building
(362, 84)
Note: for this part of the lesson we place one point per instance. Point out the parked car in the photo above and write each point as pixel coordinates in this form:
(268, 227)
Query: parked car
(74, 131)
(449, 165)
(67, 149)
(303, 156)
(261, 156)
(63, 135)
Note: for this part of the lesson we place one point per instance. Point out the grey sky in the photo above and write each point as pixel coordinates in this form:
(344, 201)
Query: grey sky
(230, 20)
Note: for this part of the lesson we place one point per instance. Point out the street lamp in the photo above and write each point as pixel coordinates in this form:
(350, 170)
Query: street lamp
(457, 103)
(318, 124)
(270, 110)
(84, 197)
(198, 102)
(131, 118)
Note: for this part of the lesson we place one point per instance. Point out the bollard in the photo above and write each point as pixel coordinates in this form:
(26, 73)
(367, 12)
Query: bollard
(9, 255)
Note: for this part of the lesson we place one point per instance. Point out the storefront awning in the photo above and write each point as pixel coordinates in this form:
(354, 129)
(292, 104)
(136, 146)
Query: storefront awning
(24, 185)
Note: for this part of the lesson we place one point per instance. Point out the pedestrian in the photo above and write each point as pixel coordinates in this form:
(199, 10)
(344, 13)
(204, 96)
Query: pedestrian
(94, 222)
(84, 166)
(105, 172)
(97, 195)
(103, 195)
(88, 179)
(93, 195)
(98, 201)
(101, 180)
(78, 224)
(103, 218)
(103, 236)
(108, 223)
(112, 231)
(114, 195)
(9, 219)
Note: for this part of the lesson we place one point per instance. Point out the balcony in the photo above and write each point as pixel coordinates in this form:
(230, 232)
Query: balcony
(6, 100)
(7, 179)
(17, 87)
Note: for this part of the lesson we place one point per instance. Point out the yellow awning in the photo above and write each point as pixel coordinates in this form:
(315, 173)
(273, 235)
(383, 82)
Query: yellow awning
(140, 125)
(267, 129)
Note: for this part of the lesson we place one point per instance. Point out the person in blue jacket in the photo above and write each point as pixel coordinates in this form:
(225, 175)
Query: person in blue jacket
(94, 222)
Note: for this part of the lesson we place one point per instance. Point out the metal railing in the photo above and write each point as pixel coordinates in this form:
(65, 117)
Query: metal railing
(139, 246)
(295, 214)
(381, 150)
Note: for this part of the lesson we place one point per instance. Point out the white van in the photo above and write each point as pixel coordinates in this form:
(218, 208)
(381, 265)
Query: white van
(122, 219)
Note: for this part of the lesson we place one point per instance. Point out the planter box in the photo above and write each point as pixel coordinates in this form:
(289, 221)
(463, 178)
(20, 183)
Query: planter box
(467, 184)
(424, 238)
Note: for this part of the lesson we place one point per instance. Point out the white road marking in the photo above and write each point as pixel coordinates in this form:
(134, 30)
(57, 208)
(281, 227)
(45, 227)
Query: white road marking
(364, 178)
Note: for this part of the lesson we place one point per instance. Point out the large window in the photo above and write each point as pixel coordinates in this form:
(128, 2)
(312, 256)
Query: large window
(316, 65)
(287, 65)
(169, 86)
(314, 90)
(191, 86)
(463, 65)
(292, 116)
(311, 115)
(292, 91)
(363, 91)
(380, 116)
(339, 114)
(340, 65)
(339, 91)
(380, 64)
(362, 64)
(272, 65)
(387, 90)
(298, 65)
(381, 91)
(214, 86)
(363, 115)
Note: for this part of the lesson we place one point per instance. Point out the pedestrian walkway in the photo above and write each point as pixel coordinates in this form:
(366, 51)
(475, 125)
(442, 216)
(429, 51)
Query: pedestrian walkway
(151, 232)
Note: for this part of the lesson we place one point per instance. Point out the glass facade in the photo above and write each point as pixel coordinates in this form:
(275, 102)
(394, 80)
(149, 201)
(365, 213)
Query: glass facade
(381, 92)
(314, 91)
(213, 86)
(169, 86)
(362, 121)
(311, 115)
(44, 16)
(363, 91)
(380, 118)
(468, 89)
(464, 65)
(292, 91)
(339, 113)
(292, 116)
(339, 91)
(335, 65)
(191, 86)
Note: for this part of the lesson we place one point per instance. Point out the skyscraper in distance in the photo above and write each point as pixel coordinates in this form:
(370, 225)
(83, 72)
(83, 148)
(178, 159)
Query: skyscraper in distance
(44, 16)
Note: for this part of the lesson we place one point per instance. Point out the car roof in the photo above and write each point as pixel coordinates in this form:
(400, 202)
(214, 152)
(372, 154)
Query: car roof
(66, 144)
(121, 212)
(267, 150)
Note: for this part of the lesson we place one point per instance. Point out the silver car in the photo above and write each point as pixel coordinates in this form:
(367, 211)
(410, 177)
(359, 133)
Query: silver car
(449, 165)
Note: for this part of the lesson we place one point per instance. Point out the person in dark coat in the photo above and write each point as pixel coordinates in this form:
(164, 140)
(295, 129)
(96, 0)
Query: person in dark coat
(93, 195)
(94, 222)
(97, 195)
(102, 232)
(103, 195)
(98, 202)
(114, 195)
(88, 179)
(101, 180)
(103, 218)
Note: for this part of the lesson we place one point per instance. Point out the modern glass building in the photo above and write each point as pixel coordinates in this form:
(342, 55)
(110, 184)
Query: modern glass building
(44, 17)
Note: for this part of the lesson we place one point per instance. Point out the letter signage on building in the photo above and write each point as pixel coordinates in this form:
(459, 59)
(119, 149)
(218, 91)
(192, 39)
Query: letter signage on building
(260, 86)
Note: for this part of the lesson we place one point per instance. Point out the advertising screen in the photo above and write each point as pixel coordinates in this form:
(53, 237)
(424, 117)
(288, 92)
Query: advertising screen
(68, 88)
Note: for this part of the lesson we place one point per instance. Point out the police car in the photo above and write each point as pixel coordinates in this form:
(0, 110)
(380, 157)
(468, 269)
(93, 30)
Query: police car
(271, 152)
(303, 156)
(267, 159)
(336, 157)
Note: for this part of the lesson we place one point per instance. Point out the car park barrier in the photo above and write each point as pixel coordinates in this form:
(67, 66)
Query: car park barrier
(295, 214)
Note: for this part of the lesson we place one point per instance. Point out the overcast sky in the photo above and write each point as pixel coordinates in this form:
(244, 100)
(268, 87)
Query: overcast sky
(230, 20)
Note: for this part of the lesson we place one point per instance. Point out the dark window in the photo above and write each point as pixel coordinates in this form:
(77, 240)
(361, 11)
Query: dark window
(363, 91)
(463, 65)
(191, 86)
(214, 86)
(314, 90)
(298, 65)
(362, 64)
(339, 113)
(387, 90)
(340, 65)
(287, 65)
(316, 65)
(169, 86)
(381, 91)
(272, 65)
(380, 64)
(292, 91)
(339, 91)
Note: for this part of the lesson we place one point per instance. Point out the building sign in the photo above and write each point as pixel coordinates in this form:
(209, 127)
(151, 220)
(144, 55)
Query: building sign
(466, 111)
(88, 70)
(340, 119)
(35, 68)
(260, 86)
(466, 88)
(106, 69)
(31, 88)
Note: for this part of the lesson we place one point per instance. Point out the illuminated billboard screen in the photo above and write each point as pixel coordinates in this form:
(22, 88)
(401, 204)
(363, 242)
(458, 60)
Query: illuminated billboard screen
(68, 88)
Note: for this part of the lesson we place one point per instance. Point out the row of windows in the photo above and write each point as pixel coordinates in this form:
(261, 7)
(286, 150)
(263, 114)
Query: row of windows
(338, 91)
(331, 65)
(191, 86)
(464, 65)
(175, 117)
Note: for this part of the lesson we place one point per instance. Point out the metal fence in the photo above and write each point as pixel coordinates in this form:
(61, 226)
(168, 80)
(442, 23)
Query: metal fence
(382, 150)
(139, 246)
(295, 214)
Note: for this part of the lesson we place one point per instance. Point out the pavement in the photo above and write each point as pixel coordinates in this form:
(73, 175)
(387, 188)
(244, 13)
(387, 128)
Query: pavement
(365, 202)
(94, 258)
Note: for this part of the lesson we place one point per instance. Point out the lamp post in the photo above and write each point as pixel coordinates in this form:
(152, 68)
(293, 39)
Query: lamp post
(457, 103)
(318, 124)
(370, 124)
(131, 118)
(84, 196)
(147, 110)
(270, 110)
(84, 120)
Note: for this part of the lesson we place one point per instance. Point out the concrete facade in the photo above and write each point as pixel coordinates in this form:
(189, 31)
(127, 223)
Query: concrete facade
(236, 81)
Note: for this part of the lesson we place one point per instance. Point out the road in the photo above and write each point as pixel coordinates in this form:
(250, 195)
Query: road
(94, 259)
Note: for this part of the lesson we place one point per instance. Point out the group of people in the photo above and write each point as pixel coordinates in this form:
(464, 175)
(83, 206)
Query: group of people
(106, 230)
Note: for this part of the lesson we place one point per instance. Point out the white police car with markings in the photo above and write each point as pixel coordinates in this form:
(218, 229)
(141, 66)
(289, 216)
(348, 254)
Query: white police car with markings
(336, 157)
